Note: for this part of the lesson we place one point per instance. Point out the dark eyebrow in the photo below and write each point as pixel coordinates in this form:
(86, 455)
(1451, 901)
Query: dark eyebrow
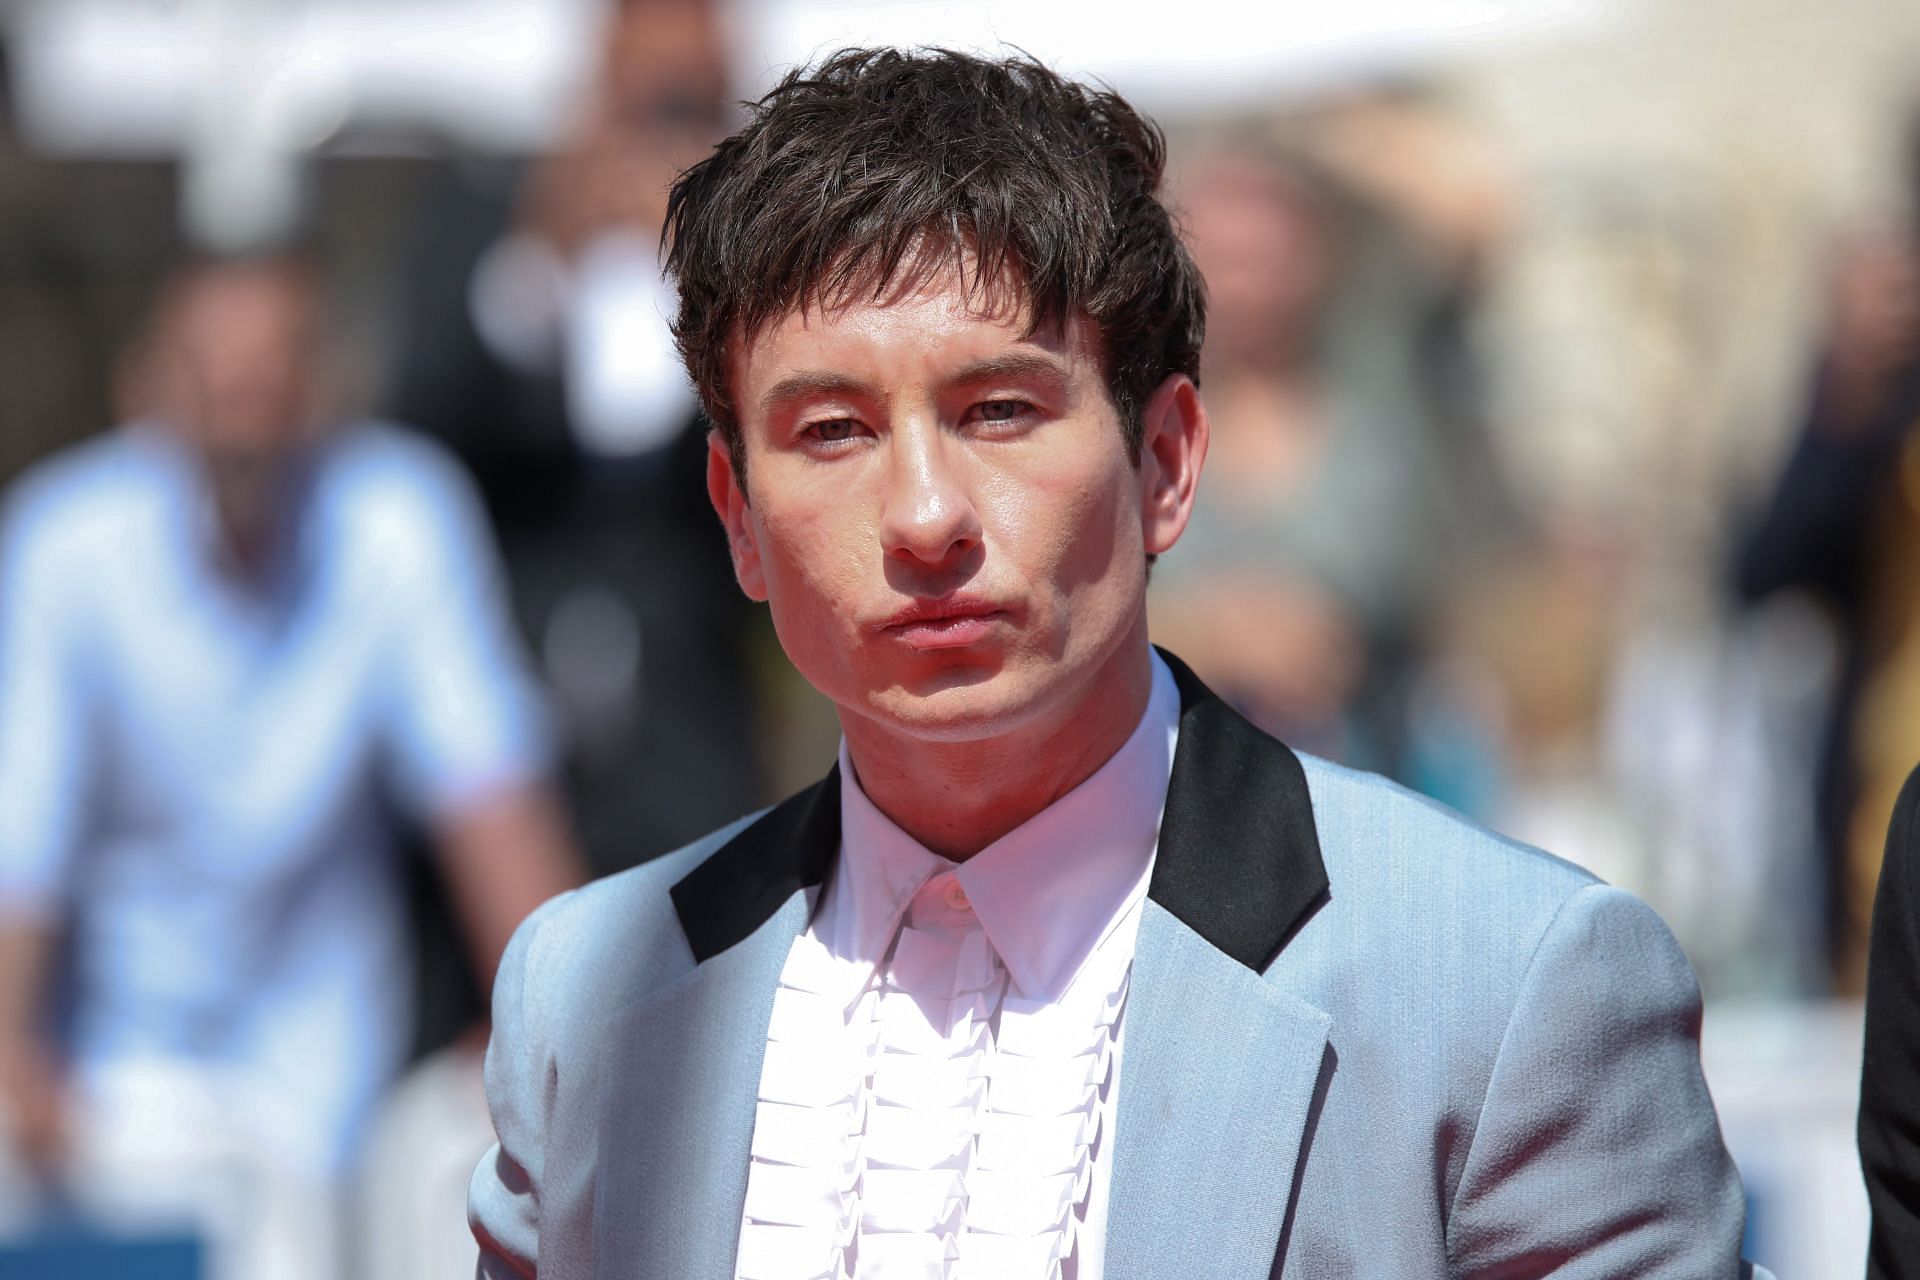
(1012, 367)
(806, 386)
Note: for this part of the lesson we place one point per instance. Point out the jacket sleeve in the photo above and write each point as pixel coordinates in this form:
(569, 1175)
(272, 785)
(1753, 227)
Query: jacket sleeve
(1890, 1079)
(1597, 1152)
(503, 1201)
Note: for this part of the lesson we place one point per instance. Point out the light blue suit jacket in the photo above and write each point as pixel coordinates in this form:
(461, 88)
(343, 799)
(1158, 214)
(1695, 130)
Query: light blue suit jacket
(1364, 1038)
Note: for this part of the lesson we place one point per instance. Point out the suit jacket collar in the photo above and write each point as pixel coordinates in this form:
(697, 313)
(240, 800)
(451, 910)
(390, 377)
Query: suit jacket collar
(1224, 1071)
(734, 891)
(1238, 862)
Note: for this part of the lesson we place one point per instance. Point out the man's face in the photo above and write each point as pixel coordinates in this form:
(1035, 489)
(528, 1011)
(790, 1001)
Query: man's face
(241, 338)
(232, 375)
(944, 518)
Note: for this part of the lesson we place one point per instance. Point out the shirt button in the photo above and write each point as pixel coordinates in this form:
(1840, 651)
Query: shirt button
(956, 895)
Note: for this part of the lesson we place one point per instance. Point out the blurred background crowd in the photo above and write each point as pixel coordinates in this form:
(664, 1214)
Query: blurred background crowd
(358, 590)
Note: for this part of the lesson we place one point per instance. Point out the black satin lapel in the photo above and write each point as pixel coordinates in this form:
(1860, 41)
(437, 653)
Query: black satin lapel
(1239, 859)
(737, 889)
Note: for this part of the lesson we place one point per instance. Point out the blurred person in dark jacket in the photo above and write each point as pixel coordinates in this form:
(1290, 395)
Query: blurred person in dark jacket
(1890, 1080)
(536, 347)
(230, 633)
(1843, 524)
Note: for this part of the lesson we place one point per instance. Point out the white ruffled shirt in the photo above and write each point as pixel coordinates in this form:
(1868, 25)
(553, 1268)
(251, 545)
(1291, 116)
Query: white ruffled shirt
(943, 1059)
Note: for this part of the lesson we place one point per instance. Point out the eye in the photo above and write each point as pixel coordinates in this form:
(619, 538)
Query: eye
(832, 430)
(999, 410)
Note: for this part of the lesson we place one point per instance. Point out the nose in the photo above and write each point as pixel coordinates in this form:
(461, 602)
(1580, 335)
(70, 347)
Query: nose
(930, 516)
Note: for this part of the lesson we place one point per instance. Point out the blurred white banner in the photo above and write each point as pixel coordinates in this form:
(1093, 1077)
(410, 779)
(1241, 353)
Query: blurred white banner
(131, 77)
(1197, 55)
(1786, 1080)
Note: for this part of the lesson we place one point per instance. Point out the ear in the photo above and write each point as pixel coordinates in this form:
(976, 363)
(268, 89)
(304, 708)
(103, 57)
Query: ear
(723, 487)
(1173, 448)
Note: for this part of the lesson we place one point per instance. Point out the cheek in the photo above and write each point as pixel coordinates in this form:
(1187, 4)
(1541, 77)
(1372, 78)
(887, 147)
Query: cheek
(1071, 530)
(813, 565)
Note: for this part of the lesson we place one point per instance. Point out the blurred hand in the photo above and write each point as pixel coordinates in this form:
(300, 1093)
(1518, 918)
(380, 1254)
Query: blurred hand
(1875, 319)
(568, 199)
(615, 170)
(33, 1095)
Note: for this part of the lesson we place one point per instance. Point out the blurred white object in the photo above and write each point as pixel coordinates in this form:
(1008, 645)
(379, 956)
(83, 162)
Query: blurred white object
(245, 88)
(413, 1196)
(240, 186)
(1786, 1080)
(1710, 742)
(517, 298)
(1217, 54)
(627, 391)
(119, 76)
(162, 1145)
(603, 320)
(122, 77)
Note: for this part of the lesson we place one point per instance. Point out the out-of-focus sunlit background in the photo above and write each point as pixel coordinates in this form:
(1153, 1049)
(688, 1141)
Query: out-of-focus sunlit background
(1564, 362)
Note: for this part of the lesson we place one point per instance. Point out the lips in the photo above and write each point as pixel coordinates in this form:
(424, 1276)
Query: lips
(946, 623)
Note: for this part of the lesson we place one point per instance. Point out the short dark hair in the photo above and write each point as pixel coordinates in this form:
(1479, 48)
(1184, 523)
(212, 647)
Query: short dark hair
(879, 159)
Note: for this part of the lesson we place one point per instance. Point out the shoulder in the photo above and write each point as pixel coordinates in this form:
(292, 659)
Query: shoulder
(1896, 906)
(1444, 949)
(400, 497)
(1903, 833)
(81, 497)
(1376, 834)
(377, 470)
(1896, 903)
(1889, 1102)
(1449, 915)
(605, 944)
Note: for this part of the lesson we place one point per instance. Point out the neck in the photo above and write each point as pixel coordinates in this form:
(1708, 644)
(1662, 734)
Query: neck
(247, 508)
(956, 798)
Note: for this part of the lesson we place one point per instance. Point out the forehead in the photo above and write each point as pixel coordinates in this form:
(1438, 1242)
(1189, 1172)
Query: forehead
(238, 299)
(919, 327)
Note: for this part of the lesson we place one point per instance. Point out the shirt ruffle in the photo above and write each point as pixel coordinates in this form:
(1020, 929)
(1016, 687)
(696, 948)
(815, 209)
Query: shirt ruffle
(935, 1127)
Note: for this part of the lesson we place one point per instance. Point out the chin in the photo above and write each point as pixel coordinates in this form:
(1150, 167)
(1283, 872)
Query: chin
(959, 704)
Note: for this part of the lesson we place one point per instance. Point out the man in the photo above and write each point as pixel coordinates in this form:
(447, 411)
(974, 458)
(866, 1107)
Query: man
(228, 634)
(1065, 969)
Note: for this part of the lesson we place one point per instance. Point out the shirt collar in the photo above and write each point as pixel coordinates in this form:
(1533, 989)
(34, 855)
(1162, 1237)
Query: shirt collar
(1047, 892)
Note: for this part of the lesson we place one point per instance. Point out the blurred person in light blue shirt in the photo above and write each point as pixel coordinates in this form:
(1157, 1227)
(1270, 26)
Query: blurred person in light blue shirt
(230, 634)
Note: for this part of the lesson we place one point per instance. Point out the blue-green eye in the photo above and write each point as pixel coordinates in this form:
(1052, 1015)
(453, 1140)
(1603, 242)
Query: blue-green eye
(1002, 410)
